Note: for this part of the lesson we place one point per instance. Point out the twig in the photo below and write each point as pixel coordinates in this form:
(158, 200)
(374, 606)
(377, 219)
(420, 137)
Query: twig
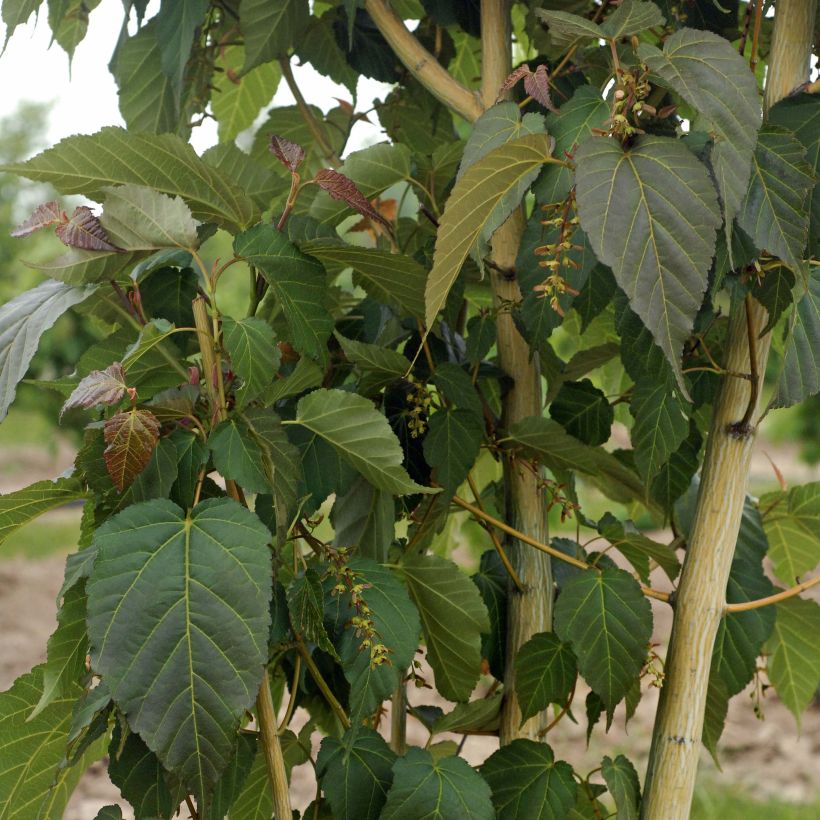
(297, 671)
(756, 35)
(552, 724)
(190, 804)
(772, 599)
(742, 427)
(334, 704)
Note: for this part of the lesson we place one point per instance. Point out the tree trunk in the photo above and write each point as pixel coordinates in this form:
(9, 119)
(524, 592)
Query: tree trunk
(700, 601)
(531, 611)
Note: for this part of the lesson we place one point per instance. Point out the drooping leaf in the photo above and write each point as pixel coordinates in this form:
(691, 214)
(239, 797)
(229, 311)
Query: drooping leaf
(491, 580)
(318, 46)
(527, 782)
(773, 212)
(270, 29)
(793, 665)
(361, 435)
(547, 441)
(86, 164)
(391, 278)
(479, 715)
(717, 706)
(98, 387)
(659, 250)
(23, 320)
(792, 525)
(20, 507)
(205, 578)
(480, 202)
(436, 789)
(583, 411)
(622, 781)
(356, 773)
(774, 292)
(251, 344)
(545, 673)
(237, 100)
(131, 436)
(801, 361)
(297, 280)
(50, 213)
(143, 219)
(68, 20)
(453, 617)
(177, 25)
(16, 13)
(451, 446)
(637, 548)
(609, 623)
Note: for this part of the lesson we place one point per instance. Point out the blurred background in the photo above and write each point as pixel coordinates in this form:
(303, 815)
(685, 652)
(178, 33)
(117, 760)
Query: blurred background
(770, 769)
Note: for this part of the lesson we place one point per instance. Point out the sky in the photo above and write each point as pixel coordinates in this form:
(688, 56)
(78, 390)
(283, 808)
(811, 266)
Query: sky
(85, 101)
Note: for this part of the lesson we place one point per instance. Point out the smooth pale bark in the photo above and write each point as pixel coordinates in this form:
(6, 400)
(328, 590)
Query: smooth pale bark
(700, 601)
(529, 612)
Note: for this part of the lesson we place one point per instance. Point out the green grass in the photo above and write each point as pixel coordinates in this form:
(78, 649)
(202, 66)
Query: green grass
(49, 535)
(714, 802)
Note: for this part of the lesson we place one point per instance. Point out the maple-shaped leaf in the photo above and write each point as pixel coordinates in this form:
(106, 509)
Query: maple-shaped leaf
(44, 215)
(344, 189)
(84, 231)
(131, 437)
(98, 387)
(536, 84)
(290, 154)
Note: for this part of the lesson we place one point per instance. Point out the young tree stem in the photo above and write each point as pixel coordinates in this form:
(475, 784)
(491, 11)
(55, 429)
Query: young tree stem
(266, 716)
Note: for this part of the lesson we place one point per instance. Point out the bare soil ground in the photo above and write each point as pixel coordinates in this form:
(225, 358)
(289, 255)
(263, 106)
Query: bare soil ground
(767, 759)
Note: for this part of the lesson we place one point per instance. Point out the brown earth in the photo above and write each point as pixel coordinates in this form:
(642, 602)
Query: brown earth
(767, 758)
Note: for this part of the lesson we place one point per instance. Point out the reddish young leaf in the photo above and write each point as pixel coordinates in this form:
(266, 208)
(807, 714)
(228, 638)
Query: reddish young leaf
(510, 83)
(537, 85)
(344, 189)
(290, 154)
(131, 437)
(43, 216)
(98, 387)
(84, 231)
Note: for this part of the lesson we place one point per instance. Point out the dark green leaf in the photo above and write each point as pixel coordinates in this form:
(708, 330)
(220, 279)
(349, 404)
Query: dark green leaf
(258, 181)
(583, 410)
(545, 673)
(476, 716)
(177, 24)
(379, 366)
(436, 789)
(774, 292)
(306, 606)
(215, 617)
(453, 617)
(631, 17)
(547, 441)
(251, 344)
(230, 785)
(238, 457)
(270, 29)
(622, 780)
(451, 446)
(609, 622)
(491, 580)
(637, 548)
(363, 518)
(527, 782)
(192, 455)
(305, 376)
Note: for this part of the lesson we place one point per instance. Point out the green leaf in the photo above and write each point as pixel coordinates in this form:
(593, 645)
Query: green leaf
(631, 17)
(659, 250)
(192, 455)
(31, 785)
(623, 784)
(306, 607)
(379, 366)
(637, 548)
(238, 457)
(363, 517)
(545, 673)
(741, 635)
(491, 580)
(498, 125)
(570, 127)
(566, 28)
(774, 212)
(16, 13)
(67, 648)
(305, 376)
(110, 812)
(584, 412)
(297, 282)
(237, 100)
(547, 441)
(255, 799)
(361, 435)
(76, 266)
(22, 506)
(453, 617)
(482, 199)
(318, 47)
(23, 321)
(801, 360)
(356, 773)
(270, 29)
(142, 219)
(135, 770)
(799, 113)
(86, 164)
(214, 614)
(146, 95)
(527, 782)
(713, 78)
(251, 344)
(68, 20)
(451, 446)
(476, 716)
(233, 779)
(717, 706)
(609, 622)
(388, 277)
(177, 24)
(258, 181)
(428, 789)
(457, 386)
(792, 524)
(793, 665)
(481, 336)
(660, 427)
(775, 293)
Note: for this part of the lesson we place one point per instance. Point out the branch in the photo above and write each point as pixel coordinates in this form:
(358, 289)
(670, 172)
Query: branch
(772, 599)
(422, 64)
(561, 556)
